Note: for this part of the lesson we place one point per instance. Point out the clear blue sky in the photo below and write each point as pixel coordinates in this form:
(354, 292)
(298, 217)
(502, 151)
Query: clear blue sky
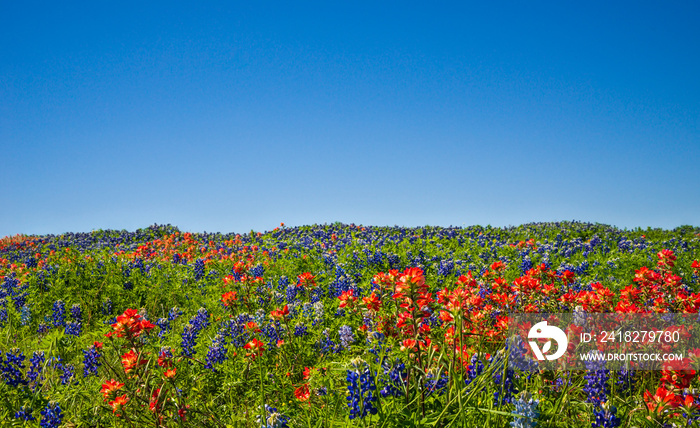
(231, 117)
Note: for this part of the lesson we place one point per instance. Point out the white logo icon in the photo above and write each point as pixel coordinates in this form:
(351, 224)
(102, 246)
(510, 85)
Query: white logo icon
(543, 331)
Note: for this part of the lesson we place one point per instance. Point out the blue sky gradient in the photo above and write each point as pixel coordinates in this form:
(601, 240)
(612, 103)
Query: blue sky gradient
(226, 117)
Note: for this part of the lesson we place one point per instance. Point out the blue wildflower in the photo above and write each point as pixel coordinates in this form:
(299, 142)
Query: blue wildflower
(346, 336)
(51, 416)
(526, 411)
(198, 269)
(189, 335)
(11, 368)
(273, 418)
(300, 330)
(59, 313)
(36, 365)
(91, 361)
(25, 413)
(217, 352)
(107, 307)
(606, 417)
(76, 312)
(625, 382)
(361, 398)
(596, 382)
(397, 379)
(25, 315)
(73, 328)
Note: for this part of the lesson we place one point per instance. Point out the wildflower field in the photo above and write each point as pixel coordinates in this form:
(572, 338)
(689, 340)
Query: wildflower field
(330, 326)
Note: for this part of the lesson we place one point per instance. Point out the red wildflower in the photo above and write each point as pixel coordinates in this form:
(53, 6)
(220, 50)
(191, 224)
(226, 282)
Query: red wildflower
(666, 258)
(154, 403)
(131, 324)
(252, 325)
(498, 266)
(255, 348)
(658, 402)
(164, 360)
(306, 280)
(347, 299)
(302, 393)
(372, 302)
(228, 298)
(130, 361)
(281, 313)
(170, 373)
(118, 403)
(109, 387)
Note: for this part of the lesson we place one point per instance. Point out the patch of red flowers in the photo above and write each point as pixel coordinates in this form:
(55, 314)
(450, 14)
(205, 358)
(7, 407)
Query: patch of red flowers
(254, 348)
(130, 324)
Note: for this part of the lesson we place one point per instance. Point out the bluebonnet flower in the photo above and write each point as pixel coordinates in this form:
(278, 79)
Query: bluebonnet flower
(291, 293)
(25, 315)
(51, 416)
(361, 398)
(25, 413)
(316, 295)
(76, 312)
(526, 264)
(596, 382)
(393, 260)
(446, 267)
(318, 310)
(198, 269)
(3, 312)
(74, 328)
(67, 370)
(346, 336)
(438, 385)
(163, 326)
(526, 411)
(91, 360)
(606, 417)
(326, 345)
(272, 332)
(217, 352)
(36, 365)
(107, 307)
(300, 330)
(397, 379)
(43, 328)
(503, 379)
(239, 336)
(257, 271)
(11, 368)
(59, 313)
(625, 382)
(68, 373)
(273, 418)
(189, 335)
(174, 313)
(580, 316)
(517, 358)
(476, 367)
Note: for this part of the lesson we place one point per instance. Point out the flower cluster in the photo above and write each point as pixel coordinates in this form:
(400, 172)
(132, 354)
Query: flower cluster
(130, 324)
(361, 391)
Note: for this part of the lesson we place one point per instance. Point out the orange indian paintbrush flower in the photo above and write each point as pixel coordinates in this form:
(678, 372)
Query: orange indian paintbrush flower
(109, 387)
